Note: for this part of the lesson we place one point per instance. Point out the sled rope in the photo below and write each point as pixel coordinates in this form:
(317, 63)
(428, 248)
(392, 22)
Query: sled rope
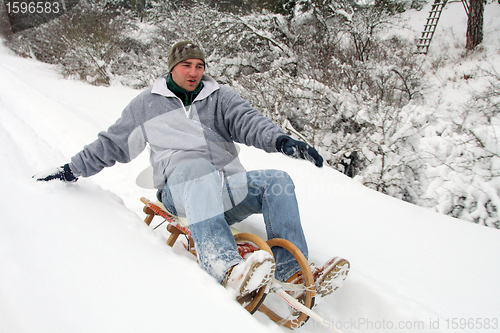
(294, 286)
(299, 306)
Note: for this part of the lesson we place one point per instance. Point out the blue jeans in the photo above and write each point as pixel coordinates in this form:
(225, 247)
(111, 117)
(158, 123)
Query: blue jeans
(212, 202)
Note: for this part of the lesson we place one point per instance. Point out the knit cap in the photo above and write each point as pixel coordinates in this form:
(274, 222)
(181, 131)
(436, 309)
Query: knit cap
(183, 51)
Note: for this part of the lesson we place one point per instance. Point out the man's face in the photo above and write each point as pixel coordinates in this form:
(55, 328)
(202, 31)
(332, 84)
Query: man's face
(187, 74)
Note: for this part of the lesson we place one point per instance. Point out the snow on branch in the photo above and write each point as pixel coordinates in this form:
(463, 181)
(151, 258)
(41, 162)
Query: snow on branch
(262, 34)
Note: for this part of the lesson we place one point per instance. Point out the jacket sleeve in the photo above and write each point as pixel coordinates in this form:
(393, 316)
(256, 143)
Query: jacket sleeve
(122, 142)
(247, 125)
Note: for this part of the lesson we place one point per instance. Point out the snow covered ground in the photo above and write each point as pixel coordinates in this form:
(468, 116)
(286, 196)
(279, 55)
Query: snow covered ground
(78, 258)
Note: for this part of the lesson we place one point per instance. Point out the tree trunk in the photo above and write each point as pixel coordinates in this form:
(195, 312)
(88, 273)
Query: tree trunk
(475, 24)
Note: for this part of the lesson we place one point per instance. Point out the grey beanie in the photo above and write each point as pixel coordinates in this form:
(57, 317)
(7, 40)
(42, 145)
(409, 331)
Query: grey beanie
(183, 51)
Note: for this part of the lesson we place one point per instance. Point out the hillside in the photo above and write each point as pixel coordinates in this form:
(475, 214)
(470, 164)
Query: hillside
(78, 258)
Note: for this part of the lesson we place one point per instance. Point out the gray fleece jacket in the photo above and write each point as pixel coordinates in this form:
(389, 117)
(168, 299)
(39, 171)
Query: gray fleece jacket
(207, 129)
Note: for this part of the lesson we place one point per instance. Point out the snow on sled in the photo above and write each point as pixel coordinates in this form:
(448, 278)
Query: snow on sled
(295, 311)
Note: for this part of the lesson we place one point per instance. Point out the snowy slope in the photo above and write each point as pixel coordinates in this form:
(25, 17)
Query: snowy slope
(73, 257)
(78, 258)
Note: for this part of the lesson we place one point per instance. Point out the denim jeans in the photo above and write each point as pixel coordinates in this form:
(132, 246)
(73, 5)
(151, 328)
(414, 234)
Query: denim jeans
(212, 202)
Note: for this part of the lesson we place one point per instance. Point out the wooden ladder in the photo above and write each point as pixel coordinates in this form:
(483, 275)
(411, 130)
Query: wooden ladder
(430, 26)
(466, 6)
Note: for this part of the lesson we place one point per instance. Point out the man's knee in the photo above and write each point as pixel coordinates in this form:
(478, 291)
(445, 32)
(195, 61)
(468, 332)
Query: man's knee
(282, 183)
(279, 177)
(276, 182)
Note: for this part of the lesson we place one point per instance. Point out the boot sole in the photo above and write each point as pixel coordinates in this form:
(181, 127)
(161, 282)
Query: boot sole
(245, 289)
(333, 278)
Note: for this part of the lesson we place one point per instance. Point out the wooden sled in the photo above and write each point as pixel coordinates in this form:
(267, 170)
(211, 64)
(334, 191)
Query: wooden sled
(248, 243)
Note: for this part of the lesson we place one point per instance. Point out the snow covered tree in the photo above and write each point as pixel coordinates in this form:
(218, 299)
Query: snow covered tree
(460, 149)
(86, 42)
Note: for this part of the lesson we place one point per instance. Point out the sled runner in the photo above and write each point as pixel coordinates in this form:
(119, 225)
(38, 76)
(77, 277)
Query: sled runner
(299, 297)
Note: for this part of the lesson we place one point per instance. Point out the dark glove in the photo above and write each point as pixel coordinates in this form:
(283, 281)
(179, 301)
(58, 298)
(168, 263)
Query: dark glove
(62, 173)
(298, 149)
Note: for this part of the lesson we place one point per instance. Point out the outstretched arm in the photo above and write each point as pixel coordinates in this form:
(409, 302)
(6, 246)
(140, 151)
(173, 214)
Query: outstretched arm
(250, 127)
(122, 142)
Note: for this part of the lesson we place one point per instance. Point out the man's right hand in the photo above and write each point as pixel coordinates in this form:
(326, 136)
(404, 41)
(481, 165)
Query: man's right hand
(62, 173)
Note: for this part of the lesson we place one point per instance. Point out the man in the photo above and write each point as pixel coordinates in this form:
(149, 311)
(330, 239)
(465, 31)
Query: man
(190, 123)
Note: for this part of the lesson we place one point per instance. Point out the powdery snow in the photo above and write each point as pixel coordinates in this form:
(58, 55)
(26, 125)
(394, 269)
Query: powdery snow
(78, 258)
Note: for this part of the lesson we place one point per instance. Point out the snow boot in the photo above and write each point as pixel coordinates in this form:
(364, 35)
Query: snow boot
(251, 274)
(328, 277)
